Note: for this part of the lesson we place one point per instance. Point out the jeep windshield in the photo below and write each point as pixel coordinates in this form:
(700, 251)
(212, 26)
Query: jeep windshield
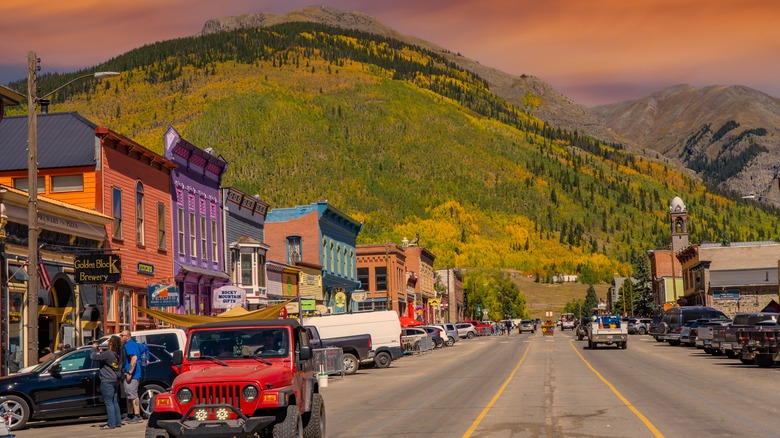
(227, 344)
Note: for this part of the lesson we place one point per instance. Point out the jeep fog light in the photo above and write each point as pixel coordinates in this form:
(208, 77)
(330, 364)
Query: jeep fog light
(184, 396)
(249, 393)
(201, 415)
(222, 414)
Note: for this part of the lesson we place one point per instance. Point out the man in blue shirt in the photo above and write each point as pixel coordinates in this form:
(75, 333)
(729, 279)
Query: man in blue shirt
(131, 377)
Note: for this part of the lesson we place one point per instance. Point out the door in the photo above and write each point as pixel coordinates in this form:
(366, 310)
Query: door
(71, 390)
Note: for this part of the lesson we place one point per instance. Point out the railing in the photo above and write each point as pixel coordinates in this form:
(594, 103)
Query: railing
(329, 360)
(418, 345)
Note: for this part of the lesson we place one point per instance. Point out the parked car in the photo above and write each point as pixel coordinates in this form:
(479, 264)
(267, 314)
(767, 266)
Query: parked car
(638, 326)
(670, 328)
(172, 339)
(466, 330)
(416, 339)
(689, 331)
(482, 328)
(652, 327)
(436, 333)
(451, 331)
(527, 325)
(582, 328)
(68, 386)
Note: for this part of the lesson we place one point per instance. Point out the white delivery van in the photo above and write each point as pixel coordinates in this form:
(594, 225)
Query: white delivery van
(383, 326)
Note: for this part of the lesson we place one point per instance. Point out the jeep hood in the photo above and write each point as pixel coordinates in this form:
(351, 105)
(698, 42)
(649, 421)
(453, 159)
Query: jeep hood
(260, 373)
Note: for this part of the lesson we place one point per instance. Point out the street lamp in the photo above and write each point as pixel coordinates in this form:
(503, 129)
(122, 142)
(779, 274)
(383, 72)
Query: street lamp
(31, 304)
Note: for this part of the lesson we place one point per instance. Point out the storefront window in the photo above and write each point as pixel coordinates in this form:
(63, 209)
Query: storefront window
(125, 309)
(246, 269)
(110, 304)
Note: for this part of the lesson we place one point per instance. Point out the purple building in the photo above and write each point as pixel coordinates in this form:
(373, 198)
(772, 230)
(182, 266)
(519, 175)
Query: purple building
(198, 252)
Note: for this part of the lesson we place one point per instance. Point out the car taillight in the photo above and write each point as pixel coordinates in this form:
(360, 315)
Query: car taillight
(370, 344)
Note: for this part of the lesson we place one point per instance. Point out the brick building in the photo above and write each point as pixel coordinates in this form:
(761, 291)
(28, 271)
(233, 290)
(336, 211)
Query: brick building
(381, 271)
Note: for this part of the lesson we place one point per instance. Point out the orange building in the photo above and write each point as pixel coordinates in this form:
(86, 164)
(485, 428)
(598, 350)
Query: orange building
(381, 272)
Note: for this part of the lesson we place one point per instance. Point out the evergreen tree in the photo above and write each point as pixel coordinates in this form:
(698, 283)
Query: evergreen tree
(591, 301)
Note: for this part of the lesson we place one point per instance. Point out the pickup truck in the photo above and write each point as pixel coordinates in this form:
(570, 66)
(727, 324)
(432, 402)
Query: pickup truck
(607, 329)
(356, 348)
(242, 379)
(760, 343)
(568, 321)
(724, 340)
(482, 328)
(705, 333)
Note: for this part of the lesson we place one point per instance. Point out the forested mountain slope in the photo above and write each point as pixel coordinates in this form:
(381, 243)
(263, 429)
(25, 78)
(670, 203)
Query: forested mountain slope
(405, 141)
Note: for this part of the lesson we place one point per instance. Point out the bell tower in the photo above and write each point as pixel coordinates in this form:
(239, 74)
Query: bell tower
(678, 218)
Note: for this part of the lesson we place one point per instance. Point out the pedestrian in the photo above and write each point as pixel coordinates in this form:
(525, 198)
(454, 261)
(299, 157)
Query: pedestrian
(110, 373)
(508, 324)
(132, 376)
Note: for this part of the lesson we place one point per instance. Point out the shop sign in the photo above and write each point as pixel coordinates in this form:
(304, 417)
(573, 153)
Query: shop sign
(145, 268)
(227, 297)
(726, 294)
(341, 301)
(308, 304)
(97, 269)
(359, 297)
(163, 295)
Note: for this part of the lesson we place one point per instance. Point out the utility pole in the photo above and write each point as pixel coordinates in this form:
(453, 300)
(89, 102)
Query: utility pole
(388, 275)
(31, 304)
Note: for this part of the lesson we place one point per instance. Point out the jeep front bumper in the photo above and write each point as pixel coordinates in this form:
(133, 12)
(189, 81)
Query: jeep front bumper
(189, 426)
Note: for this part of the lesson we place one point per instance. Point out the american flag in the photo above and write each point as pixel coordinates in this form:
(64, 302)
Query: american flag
(43, 274)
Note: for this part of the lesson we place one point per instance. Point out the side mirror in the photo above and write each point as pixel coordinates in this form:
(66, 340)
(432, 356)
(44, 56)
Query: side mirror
(305, 353)
(55, 369)
(178, 358)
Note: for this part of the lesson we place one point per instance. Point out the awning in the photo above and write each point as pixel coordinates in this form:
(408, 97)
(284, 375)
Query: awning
(234, 314)
(208, 272)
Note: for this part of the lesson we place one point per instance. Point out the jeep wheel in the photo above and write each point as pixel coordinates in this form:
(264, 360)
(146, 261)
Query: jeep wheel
(382, 359)
(17, 411)
(351, 364)
(152, 431)
(146, 398)
(291, 425)
(314, 421)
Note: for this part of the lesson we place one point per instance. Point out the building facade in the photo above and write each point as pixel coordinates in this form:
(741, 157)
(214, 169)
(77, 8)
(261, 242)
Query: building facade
(198, 245)
(244, 219)
(317, 234)
(452, 302)
(381, 271)
(419, 265)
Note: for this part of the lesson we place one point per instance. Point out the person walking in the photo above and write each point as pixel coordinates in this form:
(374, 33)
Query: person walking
(110, 373)
(131, 377)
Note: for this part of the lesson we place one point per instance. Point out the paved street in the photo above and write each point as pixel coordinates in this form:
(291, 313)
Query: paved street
(537, 386)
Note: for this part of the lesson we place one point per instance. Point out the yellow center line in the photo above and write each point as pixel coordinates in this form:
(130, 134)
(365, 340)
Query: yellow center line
(495, 397)
(625, 401)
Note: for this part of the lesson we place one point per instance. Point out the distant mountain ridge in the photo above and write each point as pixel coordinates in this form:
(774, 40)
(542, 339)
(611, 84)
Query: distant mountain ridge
(729, 134)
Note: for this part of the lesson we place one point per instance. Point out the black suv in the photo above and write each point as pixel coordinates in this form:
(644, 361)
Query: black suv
(68, 386)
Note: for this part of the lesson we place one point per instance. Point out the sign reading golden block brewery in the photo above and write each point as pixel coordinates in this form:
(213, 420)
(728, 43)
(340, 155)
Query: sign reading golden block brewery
(106, 268)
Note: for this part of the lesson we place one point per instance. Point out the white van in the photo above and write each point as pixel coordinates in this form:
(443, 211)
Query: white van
(172, 339)
(383, 326)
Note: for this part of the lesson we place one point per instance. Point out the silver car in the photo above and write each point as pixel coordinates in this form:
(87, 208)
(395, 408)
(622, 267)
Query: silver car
(466, 330)
(451, 331)
(527, 325)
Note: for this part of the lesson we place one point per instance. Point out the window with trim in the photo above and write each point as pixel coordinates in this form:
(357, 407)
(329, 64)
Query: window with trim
(67, 183)
(161, 226)
(260, 270)
(214, 246)
(22, 184)
(246, 269)
(380, 277)
(324, 254)
(110, 304)
(180, 226)
(203, 247)
(116, 210)
(139, 213)
(363, 278)
(345, 262)
(193, 236)
(338, 259)
(294, 254)
(330, 257)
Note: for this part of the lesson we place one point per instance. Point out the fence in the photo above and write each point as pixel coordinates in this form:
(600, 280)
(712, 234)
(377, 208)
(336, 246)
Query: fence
(330, 360)
(418, 345)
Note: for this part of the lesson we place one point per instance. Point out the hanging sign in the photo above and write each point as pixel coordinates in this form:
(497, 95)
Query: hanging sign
(98, 269)
(228, 297)
(163, 295)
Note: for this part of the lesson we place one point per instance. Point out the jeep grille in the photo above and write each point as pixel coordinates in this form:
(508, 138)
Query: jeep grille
(218, 394)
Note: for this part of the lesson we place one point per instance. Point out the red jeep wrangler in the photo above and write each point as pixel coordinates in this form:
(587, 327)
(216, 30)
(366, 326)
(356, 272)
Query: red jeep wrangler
(241, 378)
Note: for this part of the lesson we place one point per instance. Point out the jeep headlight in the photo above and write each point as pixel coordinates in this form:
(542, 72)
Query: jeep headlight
(184, 395)
(249, 393)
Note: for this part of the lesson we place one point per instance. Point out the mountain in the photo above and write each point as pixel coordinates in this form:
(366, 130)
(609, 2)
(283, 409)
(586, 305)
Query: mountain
(730, 135)
(525, 91)
(405, 141)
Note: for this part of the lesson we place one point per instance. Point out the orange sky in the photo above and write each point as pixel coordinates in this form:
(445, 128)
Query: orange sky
(593, 51)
